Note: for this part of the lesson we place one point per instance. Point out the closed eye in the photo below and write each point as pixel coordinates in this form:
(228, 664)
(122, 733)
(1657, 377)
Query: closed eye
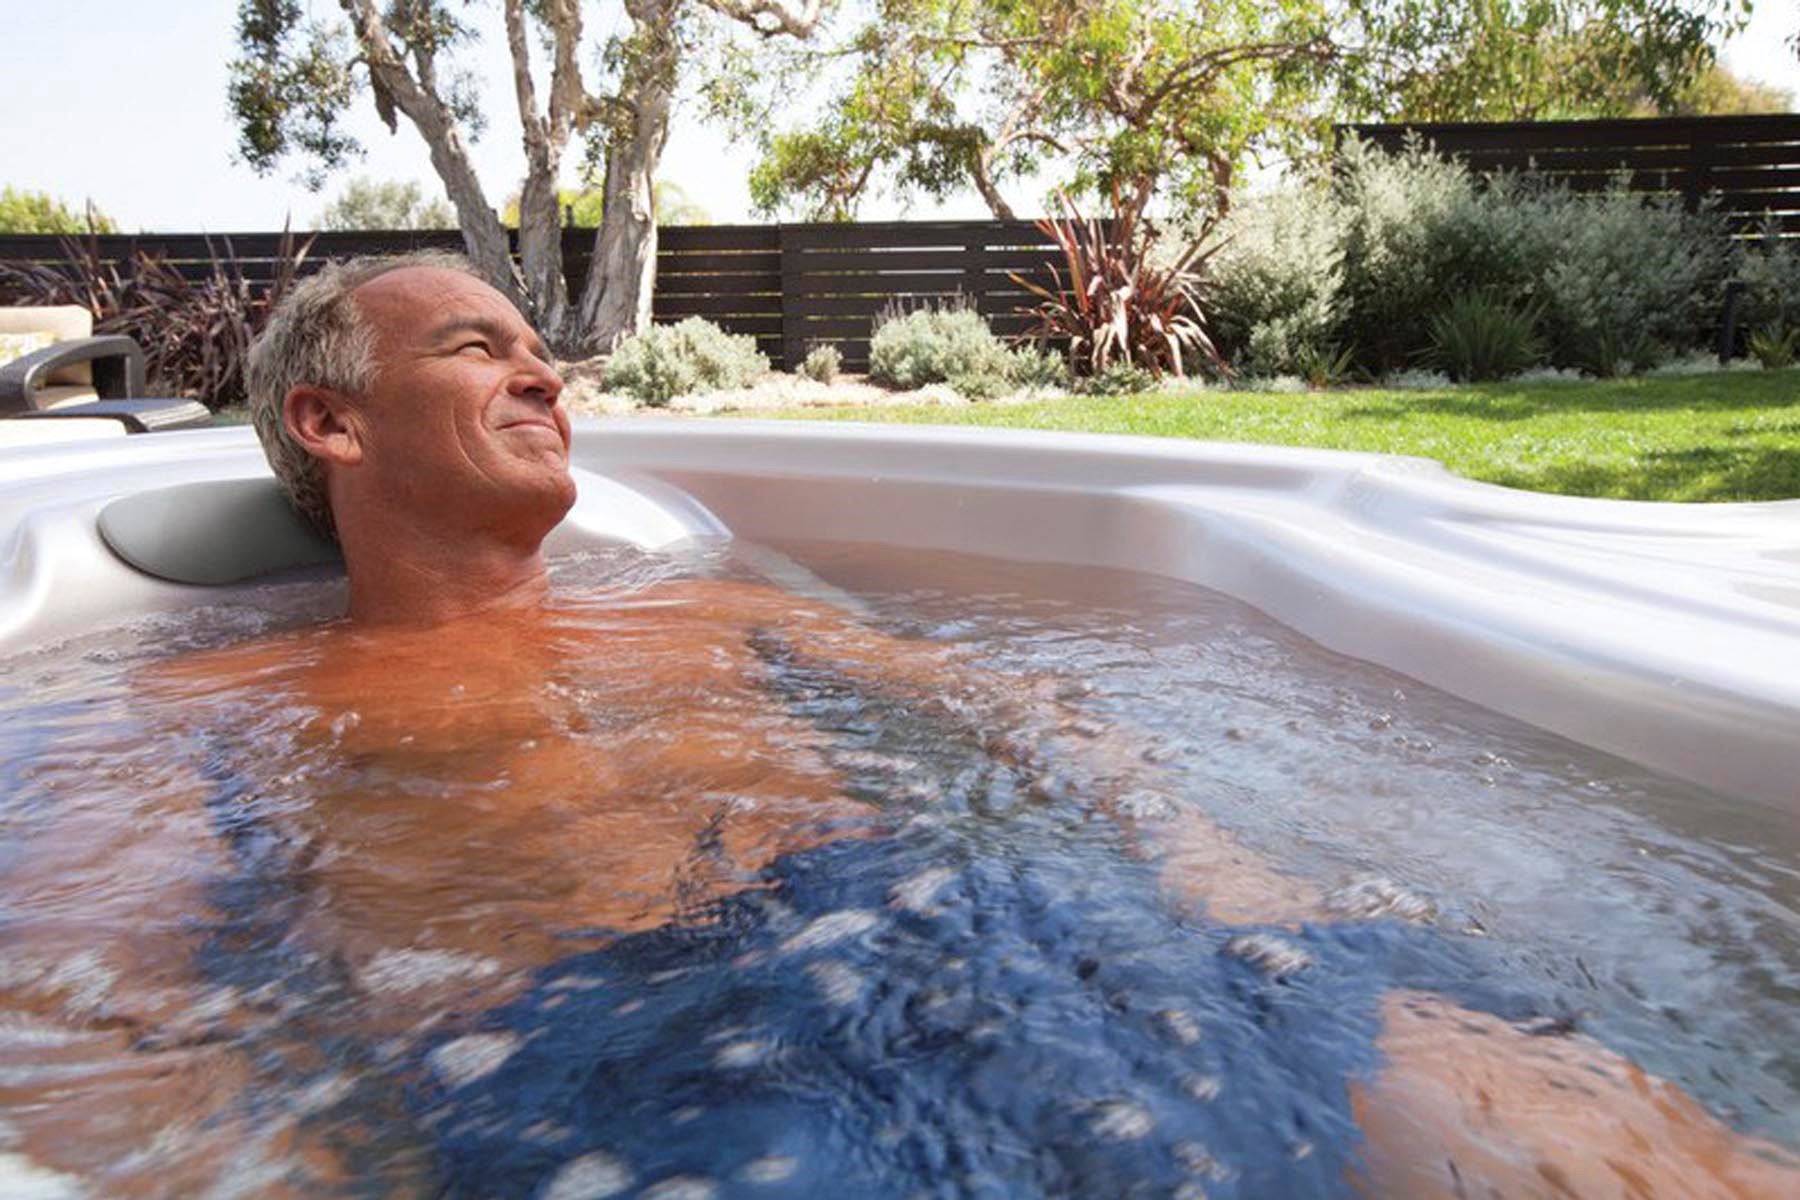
(476, 345)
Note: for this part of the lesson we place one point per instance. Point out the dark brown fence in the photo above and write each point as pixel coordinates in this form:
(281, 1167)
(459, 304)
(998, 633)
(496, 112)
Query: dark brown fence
(789, 286)
(1750, 164)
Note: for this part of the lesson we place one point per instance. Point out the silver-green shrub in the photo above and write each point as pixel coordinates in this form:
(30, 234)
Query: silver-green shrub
(1396, 259)
(1769, 267)
(1630, 279)
(936, 345)
(1277, 281)
(695, 355)
(1371, 260)
(1036, 370)
(1116, 379)
(822, 363)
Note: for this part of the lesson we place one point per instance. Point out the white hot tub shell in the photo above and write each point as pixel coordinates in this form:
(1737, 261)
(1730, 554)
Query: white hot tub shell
(1667, 634)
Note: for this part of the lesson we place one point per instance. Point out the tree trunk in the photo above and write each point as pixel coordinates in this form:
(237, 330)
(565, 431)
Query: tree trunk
(990, 192)
(483, 235)
(544, 136)
(622, 272)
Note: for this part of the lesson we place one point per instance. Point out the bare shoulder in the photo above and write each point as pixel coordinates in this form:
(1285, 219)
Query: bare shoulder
(202, 671)
(746, 601)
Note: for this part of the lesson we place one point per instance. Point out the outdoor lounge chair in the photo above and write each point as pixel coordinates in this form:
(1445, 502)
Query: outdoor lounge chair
(65, 372)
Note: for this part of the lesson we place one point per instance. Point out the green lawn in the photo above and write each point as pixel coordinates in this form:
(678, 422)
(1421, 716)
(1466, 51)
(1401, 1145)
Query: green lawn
(1729, 436)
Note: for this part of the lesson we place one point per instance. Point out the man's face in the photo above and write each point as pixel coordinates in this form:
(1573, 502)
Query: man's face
(462, 426)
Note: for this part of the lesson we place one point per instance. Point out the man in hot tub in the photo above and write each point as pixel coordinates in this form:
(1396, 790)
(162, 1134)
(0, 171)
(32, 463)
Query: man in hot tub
(624, 919)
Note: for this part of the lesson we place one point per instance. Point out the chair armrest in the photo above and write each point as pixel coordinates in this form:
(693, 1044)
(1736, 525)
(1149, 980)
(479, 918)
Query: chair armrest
(118, 370)
(138, 415)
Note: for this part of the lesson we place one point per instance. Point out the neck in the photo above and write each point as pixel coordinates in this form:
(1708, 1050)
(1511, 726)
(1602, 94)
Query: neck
(412, 577)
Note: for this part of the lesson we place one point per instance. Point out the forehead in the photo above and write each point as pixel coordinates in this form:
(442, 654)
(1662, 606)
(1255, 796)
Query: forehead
(406, 306)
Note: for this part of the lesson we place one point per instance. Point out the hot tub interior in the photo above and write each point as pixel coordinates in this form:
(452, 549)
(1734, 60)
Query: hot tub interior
(374, 895)
(902, 814)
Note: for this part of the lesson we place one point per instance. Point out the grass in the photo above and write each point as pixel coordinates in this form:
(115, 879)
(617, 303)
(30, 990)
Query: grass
(1732, 436)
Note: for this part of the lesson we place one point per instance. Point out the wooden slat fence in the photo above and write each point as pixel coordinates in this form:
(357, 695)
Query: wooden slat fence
(1750, 164)
(789, 286)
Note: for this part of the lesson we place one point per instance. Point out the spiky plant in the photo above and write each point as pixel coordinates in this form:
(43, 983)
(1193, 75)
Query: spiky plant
(196, 335)
(1110, 302)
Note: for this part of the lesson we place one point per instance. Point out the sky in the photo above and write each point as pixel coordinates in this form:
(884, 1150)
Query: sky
(123, 102)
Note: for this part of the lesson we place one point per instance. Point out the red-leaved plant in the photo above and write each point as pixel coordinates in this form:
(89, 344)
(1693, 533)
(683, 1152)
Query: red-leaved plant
(1116, 304)
(196, 335)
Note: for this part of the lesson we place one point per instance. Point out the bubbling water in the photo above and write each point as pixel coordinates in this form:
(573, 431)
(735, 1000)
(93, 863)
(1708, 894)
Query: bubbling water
(530, 917)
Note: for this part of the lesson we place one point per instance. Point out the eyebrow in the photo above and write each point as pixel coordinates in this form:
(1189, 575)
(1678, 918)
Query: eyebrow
(488, 328)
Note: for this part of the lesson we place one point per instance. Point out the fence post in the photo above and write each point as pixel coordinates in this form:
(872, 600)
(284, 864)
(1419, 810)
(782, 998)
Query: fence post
(1699, 174)
(793, 316)
(974, 280)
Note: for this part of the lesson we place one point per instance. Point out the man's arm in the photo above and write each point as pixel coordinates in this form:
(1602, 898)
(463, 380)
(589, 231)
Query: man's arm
(1031, 722)
(119, 1068)
(1468, 1104)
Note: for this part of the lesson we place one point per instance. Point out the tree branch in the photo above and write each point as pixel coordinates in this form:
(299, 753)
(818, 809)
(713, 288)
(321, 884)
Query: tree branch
(524, 90)
(483, 236)
(773, 17)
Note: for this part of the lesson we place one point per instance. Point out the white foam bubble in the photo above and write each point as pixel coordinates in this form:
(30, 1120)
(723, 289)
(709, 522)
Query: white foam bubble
(681, 1187)
(838, 983)
(915, 894)
(463, 1061)
(831, 929)
(1180, 1025)
(392, 972)
(1269, 954)
(776, 1168)
(1122, 1120)
(747, 1053)
(593, 1176)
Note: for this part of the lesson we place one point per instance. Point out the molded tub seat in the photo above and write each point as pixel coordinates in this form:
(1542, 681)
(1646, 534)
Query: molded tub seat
(1667, 634)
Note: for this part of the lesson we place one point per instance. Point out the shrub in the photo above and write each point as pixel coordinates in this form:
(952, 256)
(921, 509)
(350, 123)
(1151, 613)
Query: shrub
(196, 336)
(934, 345)
(1769, 267)
(1415, 380)
(981, 385)
(1324, 366)
(1621, 278)
(822, 363)
(1115, 379)
(1037, 369)
(1120, 301)
(1277, 281)
(1774, 346)
(695, 355)
(1478, 338)
(1397, 269)
(1632, 279)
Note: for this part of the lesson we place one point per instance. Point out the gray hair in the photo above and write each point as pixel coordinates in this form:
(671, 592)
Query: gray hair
(317, 336)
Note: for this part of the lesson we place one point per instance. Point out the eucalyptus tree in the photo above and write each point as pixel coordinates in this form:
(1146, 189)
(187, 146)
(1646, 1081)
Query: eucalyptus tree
(385, 204)
(931, 96)
(25, 211)
(1174, 97)
(295, 78)
(1527, 60)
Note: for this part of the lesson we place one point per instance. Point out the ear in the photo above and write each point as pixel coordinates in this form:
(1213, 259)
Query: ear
(324, 424)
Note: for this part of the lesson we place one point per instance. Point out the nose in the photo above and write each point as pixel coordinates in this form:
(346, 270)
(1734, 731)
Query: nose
(537, 380)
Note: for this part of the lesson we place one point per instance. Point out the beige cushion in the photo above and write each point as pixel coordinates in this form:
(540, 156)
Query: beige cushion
(63, 322)
(58, 395)
(14, 346)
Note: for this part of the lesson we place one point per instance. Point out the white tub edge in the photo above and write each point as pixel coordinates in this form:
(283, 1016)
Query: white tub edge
(1666, 633)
